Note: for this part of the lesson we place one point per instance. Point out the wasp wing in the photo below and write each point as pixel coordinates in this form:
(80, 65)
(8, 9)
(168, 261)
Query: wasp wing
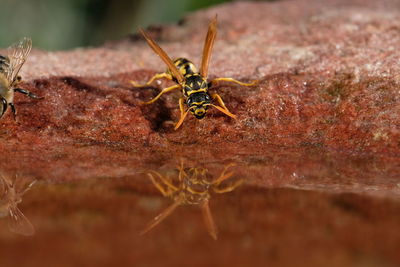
(18, 223)
(208, 219)
(208, 45)
(159, 218)
(19, 53)
(161, 53)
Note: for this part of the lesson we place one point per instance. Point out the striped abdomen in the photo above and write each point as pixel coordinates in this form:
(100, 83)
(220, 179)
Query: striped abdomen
(4, 64)
(185, 66)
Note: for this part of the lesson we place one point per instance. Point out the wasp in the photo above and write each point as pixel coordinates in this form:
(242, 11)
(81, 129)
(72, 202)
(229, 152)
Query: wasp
(10, 197)
(194, 84)
(191, 188)
(10, 66)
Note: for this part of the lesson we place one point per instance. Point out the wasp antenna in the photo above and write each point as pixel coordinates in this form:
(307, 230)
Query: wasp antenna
(181, 119)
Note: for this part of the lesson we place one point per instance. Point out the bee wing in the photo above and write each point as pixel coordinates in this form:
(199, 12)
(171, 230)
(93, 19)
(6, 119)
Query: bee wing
(208, 45)
(19, 53)
(18, 223)
(161, 53)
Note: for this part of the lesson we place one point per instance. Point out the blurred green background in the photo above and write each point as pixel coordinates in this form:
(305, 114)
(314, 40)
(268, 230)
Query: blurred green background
(65, 24)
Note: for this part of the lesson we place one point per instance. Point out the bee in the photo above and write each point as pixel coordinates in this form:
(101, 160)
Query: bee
(194, 84)
(191, 188)
(10, 197)
(10, 66)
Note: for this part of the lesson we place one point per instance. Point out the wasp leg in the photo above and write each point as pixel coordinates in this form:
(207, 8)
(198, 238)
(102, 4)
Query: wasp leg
(223, 108)
(228, 188)
(163, 91)
(208, 220)
(5, 105)
(224, 176)
(26, 92)
(182, 172)
(162, 190)
(170, 188)
(155, 77)
(234, 81)
(14, 111)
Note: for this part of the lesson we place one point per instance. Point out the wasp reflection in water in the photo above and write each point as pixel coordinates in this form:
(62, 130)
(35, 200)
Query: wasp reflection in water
(10, 196)
(191, 187)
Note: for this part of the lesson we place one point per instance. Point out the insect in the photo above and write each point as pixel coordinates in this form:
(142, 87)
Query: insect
(194, 84)
(10, 66)
(10, 197)
(191, 188)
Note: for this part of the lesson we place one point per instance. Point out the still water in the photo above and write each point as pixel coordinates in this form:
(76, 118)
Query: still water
(281, 208)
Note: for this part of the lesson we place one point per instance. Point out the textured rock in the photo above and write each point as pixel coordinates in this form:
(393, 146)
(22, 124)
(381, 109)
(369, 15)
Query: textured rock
(331, 86)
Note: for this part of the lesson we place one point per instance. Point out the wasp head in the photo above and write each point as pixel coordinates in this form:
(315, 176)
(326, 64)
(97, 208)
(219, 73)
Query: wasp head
(198, 104)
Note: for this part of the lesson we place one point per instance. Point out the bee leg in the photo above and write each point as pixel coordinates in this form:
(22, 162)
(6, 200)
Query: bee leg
(155, 77)
(26, 92)
(14, 111)
(5, 105)
(234, 81)
(222, 107)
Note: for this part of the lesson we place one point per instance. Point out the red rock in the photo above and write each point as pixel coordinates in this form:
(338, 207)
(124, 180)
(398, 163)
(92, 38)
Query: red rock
(334, 87)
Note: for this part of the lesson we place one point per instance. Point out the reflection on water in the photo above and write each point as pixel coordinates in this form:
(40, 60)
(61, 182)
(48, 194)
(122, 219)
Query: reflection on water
(191, 186)
(11, 193)
(89, 209)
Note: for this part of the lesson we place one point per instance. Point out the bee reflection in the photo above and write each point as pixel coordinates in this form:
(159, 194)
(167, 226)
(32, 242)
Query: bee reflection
(10, 196)
(191, 187)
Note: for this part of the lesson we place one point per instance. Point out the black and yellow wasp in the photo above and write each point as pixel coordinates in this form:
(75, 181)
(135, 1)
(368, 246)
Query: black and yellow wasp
(10, 66)
(192, 186)
(194, 84)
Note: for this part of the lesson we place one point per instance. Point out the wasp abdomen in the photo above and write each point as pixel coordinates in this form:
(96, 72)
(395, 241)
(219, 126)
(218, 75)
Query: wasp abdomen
(4, 63)
(185, 66)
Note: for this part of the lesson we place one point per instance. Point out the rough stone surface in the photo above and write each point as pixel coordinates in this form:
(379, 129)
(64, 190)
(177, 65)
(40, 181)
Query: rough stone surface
(316, 142)
(328, 77)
